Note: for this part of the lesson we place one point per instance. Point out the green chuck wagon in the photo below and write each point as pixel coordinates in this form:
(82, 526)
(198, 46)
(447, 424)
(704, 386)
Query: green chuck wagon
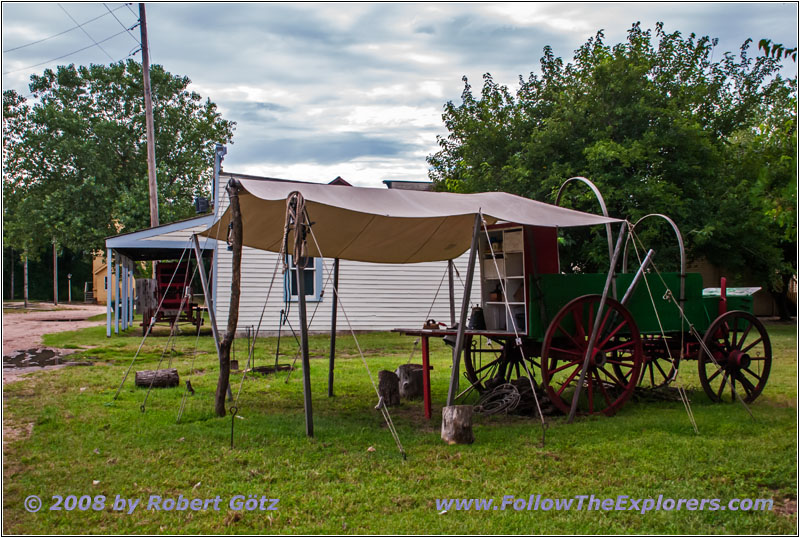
(535, 319)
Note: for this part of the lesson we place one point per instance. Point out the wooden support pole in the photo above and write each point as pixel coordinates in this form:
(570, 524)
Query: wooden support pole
(223, 384)
(597, 320)
(452, 293)
(453, 390)
(108, 293)
(301, 313)
(55, 274)
(334, 309)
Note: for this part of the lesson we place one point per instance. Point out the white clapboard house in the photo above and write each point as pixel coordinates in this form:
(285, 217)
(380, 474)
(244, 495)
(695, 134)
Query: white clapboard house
(377, 297)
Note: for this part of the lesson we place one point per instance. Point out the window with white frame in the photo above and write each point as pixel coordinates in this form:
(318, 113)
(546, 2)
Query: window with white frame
(312, 279)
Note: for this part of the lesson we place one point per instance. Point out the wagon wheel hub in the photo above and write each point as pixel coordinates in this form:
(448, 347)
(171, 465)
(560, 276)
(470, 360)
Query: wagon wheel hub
(739, 359)
(599, 358)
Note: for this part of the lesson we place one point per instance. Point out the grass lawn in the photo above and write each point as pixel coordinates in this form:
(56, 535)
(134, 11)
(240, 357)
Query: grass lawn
(333, 484)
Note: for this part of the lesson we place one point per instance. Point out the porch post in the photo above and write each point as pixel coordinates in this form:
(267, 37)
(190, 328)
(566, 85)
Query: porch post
(132, 292)
(334, 309)
(597, 320)
(108, 293)
(124, 295)
(453, 390)
(116, 296)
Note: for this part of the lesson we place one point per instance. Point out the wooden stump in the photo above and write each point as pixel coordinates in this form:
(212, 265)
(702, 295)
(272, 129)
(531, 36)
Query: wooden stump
(389, 387)
(457, 424)
(159, 378)
(410, 380)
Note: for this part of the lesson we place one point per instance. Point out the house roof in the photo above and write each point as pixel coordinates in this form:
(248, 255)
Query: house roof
(165, 242)
(386, 225)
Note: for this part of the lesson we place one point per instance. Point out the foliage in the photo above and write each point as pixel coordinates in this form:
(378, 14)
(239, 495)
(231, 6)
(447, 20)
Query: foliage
(331, 484)
(79, 172)
(659, 125)
(777, 50)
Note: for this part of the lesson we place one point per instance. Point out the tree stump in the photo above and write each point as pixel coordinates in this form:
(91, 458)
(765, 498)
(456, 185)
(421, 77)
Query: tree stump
(410, 381)
(389, 387)
(457, 424)
(159, 378)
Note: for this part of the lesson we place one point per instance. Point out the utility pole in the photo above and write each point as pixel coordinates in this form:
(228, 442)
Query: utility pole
(148, 105)
(25, 280)
(12, 274)
(55, 274)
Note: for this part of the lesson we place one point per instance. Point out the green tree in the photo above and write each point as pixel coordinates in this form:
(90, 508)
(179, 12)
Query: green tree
(81, 169)
(650, 120)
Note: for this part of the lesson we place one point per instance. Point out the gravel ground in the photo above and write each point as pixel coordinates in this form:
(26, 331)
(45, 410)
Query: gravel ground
(24, 331)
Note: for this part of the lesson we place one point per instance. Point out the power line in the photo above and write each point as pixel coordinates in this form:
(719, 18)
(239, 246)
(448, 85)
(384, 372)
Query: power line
(120, 23)
(85, 32)
(60, 33)
(127, 5)
(69, 54)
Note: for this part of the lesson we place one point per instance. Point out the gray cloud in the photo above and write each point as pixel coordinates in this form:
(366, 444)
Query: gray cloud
(327, 84)
(320, 148)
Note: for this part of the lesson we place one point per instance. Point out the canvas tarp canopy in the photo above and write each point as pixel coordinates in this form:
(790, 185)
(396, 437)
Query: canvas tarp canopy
(385, 225)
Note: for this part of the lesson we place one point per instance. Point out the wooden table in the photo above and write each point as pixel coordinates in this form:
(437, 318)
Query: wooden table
(424, 335)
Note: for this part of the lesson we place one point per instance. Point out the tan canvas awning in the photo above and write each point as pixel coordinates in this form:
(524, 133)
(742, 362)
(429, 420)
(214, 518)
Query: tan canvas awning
(385, 225)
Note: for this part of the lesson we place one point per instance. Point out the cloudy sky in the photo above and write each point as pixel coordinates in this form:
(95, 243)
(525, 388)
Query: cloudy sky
(351, 90)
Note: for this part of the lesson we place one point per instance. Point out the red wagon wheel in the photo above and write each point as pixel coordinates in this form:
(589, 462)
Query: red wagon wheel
(742, 356)
(618, 349)
(489, 363)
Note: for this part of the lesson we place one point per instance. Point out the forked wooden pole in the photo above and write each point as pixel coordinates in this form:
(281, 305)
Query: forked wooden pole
(223, 384)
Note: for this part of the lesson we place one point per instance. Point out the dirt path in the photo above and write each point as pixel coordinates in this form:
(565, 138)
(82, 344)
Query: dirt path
(24, 331)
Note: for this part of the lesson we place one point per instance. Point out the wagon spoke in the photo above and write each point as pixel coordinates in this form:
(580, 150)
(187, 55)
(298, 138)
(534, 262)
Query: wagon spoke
(577, 344)
(652, 374)
(748, 386)
(611, 335)
(744, 336)
(751, 346)
(578, 324)
(488, 364)
(603, 390)
(623, 345)
(655, 361)
(749, 371)
(589, 394)
(569, 380)
(577, 353)
(564, 367)
(715, 374)
(612, 377)
(722, 386)
(621, 362)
